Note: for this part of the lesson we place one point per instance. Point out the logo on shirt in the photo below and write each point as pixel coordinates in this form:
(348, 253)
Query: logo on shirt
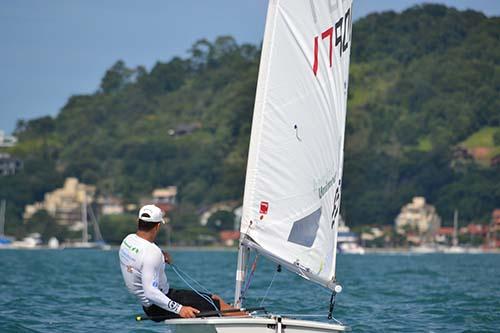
(173, 306)
(130, 247)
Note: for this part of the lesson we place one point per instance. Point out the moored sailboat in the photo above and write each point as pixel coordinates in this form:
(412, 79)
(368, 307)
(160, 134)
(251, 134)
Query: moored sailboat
(85, 243)
(455, 247)
(291, 205)
(5, 241)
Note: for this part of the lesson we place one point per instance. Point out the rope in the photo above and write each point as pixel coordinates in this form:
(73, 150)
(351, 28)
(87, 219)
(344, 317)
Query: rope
(278, 269)
(205, 297)
(247, 285)
(196, 282)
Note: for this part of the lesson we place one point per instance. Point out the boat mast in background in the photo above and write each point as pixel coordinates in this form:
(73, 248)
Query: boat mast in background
(3, 204)
(455, 228)
(85, 229)
(97, 231)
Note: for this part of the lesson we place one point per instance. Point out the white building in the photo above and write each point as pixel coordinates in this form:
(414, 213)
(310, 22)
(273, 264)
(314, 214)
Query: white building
(165, 195)
(65, 204)
(110, 205)
(9, 165)
(7, 140)
(418, 219)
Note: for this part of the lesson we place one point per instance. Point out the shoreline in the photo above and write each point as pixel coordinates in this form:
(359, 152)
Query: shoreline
(403, 250)
(368, 251)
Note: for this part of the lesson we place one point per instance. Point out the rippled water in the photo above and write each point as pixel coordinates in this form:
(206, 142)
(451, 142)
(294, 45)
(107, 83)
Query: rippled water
(82, 291)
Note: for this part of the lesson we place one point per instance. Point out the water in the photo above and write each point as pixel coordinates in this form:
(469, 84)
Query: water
(82, 291)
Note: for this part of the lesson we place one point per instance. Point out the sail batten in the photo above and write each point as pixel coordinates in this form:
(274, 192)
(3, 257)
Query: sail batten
(294, 174)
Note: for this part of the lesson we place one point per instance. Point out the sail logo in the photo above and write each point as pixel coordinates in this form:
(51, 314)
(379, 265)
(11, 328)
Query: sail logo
(342, 29)
(326, 182)
(264, 207)
(324, 189)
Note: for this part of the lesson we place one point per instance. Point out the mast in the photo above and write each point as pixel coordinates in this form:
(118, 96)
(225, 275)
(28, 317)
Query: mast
(2, 217)
(455, 228)
(243, 253)
(85, 231)
(95, 224)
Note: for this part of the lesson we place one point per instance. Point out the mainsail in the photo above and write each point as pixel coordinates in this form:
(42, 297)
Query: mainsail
(294, 173)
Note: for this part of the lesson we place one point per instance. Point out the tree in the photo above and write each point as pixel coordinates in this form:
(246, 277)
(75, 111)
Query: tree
(116, 78)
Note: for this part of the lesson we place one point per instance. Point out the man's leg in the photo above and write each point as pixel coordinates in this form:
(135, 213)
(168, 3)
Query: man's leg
(225, 306)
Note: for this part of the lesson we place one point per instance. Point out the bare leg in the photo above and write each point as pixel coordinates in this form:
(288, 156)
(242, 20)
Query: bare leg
(225, 306)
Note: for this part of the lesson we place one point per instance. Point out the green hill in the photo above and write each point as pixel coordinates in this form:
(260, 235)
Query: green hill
(422, 82)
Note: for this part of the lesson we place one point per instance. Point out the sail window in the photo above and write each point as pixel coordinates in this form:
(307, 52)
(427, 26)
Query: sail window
(304, 230)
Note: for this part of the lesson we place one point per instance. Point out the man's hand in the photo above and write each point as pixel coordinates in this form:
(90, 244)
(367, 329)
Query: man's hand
(188, 312)
(167, 257)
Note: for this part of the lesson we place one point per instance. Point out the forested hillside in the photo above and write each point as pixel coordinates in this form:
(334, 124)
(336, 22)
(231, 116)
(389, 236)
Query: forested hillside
(422, 83)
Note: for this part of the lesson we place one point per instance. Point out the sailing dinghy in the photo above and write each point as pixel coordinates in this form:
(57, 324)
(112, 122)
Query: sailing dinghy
(294, 174)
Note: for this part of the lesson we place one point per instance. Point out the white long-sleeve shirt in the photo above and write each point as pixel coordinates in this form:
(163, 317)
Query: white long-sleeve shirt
(143, 269)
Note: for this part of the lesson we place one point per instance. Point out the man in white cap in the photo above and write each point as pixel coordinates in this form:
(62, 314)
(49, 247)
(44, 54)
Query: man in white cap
(143, 269)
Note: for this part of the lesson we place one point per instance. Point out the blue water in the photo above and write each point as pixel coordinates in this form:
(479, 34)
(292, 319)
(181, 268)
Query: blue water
(82, 291)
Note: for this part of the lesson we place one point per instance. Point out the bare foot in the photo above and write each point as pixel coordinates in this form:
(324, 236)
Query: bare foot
(224, 307)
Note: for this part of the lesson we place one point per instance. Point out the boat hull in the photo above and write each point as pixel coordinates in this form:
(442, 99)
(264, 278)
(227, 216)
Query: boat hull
(251, 325)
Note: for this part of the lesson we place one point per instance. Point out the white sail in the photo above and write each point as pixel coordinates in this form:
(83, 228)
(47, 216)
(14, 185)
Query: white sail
(294, 171)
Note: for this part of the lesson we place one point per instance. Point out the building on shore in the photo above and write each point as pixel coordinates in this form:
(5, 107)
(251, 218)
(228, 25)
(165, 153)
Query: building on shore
(226, 206)
(229, 237)
(419, 221)
(65, 204)
(9, 165)
(445, 235)
(184, 129)
(165, 198)
(110, 205)
(493, 237)
(7, 140)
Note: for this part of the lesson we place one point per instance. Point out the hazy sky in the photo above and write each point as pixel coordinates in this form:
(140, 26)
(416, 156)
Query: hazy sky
(52, 49)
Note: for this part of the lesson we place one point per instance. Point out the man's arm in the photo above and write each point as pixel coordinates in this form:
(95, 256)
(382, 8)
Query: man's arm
(168, 257)
(150, 281)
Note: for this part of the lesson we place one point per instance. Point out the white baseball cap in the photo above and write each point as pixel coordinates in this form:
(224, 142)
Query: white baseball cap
(151, 213)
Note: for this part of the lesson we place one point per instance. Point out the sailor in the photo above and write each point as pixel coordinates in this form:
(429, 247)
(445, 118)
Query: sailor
(143, 268)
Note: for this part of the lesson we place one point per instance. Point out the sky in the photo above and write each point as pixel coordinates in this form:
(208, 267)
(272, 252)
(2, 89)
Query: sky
(50, 50)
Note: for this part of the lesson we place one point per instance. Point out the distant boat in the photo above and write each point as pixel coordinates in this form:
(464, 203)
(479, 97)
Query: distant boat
(454, 248)
(425, 249)
(5, 242)
(85, 243)
(53, 243)
(32, 241)
(347, 241)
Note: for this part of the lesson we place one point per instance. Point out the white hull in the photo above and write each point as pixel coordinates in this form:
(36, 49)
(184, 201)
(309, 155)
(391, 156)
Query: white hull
(251, 325)
(424, 249)
(86, 245)
(454, 249)
(351, 248)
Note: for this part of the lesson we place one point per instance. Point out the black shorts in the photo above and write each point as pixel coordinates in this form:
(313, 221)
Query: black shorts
(185, 298)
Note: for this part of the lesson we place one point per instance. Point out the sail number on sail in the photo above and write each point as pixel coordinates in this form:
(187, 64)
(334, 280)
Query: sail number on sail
(342, 30)
(336, 204)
